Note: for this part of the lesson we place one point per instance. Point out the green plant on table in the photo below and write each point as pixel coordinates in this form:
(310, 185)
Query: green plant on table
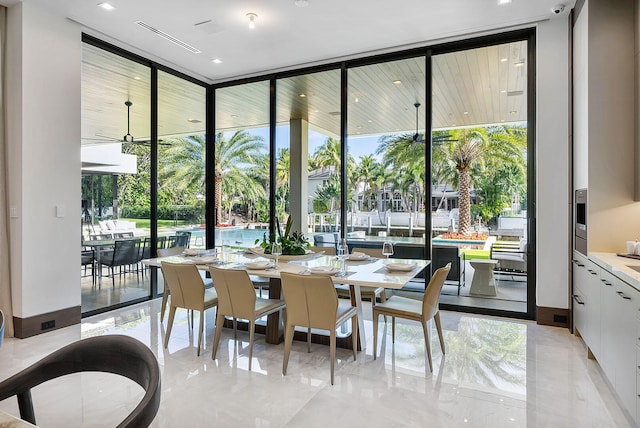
(293, 244)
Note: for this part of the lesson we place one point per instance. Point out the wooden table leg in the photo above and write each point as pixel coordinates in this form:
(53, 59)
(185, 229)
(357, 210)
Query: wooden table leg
(356, 300)
(274, 331)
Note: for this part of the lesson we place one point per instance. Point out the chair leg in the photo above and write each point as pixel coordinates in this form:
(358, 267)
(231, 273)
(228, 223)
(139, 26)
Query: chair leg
(165, 297)
(436, 318)
(332, 351)
(218, 333)
(252, 328)
(425, 328)
(308, 339)
(172, 314)
(393, 329)
(354, 335)
(376, 317)
(235, 328)
(200, 331)
(288, 340)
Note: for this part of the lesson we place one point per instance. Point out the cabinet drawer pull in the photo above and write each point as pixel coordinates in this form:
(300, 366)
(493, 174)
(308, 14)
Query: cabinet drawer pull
(578, 263)
(592, 272)
(608, 283)
(621, 294)
(578, 299)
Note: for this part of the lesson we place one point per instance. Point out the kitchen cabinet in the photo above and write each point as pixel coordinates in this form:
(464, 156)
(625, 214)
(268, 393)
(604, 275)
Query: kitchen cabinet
(580, 278)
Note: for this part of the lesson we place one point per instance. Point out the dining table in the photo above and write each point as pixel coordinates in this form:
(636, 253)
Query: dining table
(357, 272)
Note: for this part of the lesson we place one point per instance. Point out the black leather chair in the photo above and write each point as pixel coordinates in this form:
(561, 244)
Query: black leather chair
(117, 354)
(125, 253)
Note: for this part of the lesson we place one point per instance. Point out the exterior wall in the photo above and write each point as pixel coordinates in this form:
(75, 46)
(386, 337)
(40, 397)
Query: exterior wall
(43, 92)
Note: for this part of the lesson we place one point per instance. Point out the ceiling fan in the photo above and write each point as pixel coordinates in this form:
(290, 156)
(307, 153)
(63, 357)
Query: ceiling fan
(128, 138)
(419, 138)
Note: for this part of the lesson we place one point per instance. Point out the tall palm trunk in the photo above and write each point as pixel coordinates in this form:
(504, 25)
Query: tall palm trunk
(218, 198)
(464, 185)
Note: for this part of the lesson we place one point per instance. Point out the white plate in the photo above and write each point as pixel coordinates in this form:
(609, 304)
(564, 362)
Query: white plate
(204, 260)
(324, 270)
(259, 264)
(190, 252)
(400, 267)
(358, 256)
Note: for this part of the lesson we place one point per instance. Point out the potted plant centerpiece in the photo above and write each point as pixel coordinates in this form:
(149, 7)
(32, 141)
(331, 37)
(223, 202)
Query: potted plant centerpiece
(293, 244)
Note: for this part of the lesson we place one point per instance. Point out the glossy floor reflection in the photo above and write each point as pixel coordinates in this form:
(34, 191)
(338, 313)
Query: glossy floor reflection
(496, 373)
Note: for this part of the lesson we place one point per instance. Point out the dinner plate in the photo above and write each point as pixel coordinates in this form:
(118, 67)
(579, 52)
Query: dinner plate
(204, 260)
(190, 252)
(400, 267)
(258, 264)
(324, 270)
(357, 256)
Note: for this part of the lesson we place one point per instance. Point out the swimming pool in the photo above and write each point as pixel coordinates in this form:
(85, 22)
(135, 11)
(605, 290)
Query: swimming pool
(234, 236)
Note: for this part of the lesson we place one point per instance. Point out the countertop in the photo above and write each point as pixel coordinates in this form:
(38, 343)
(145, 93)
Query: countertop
(618, 266)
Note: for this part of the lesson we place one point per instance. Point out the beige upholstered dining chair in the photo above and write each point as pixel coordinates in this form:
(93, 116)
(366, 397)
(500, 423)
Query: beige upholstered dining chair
(368, 293)
(237, 299)
(166, 252)
(312, 302)
(188, 292)
(411, 309)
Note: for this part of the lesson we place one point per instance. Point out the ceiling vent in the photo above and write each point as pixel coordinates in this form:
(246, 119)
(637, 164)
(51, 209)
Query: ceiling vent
(514, 93)
(208, 27)
(168, 37)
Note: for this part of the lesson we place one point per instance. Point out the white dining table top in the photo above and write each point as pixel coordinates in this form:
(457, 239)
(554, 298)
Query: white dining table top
(370, 272)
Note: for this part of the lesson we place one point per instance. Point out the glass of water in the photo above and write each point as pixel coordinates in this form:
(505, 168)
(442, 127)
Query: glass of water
(276, 250)
(342, 251)
(387, 249)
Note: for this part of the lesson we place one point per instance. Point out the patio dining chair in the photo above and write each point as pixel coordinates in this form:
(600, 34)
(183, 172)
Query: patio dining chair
(125, 253)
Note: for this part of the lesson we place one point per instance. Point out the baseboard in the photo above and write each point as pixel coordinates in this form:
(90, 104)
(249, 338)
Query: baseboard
(556, 317)
(27, 327)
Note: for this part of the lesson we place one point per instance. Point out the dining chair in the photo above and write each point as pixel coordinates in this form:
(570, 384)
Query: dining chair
(88, 259)
(312, 302)
(367, 293)
(124, 253)
(188, 292)
(416, 310)
(166, 252)
(237, 299)
(115, 354)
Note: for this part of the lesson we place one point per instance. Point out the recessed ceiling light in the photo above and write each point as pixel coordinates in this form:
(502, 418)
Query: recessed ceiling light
(301, 3)
(503, 59)
(504, 1)
(301, 95)
(504, 91)
(357, 100)
(513, 112)
(216, 61)
(397, 82)
(106, 6)
(316, 111)
(194, 121)
(252, 20)
(466, 112)
(136, 78)
(234, 115)
(369, 121)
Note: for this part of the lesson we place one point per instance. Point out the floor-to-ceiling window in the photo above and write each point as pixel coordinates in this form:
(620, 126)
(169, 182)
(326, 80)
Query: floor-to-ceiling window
(241, 203)
(115, 175)
(480, 170)
(308, 152)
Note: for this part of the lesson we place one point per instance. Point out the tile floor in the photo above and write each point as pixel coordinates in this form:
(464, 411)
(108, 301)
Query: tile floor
(496, 373)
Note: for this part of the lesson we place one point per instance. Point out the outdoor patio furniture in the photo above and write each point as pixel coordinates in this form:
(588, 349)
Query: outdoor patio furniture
(511, 257)
(483, 282)
(124, 253)
(441, 255)
(88, 259)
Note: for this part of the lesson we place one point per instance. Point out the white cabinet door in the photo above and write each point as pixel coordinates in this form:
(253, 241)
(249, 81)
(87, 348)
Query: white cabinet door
(609, 306)
(625, 320)
(580, 279)
(594, 308)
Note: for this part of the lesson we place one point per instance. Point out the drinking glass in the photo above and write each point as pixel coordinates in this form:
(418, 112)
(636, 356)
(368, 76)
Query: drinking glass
(342, 252)
(276, 250)
(387, 249)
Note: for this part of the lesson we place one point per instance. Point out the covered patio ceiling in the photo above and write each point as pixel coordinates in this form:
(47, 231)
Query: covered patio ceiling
(470, 88)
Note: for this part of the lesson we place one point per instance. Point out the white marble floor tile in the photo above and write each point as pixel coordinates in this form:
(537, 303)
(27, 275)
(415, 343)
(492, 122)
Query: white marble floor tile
(495, 373)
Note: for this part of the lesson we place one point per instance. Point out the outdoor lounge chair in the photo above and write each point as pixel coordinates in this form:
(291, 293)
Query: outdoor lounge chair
(512, 258)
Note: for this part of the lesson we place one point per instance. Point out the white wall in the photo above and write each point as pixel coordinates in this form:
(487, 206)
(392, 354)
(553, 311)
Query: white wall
(552, 157)
(43, 90)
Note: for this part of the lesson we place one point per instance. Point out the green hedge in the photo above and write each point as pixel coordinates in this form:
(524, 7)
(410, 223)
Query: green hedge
(189, 213)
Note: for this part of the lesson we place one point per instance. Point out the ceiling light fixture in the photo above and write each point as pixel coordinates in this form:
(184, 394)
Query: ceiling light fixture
(252, 20)
(301, 95)
(106, 6)
(504, 2)
(503, 60)
(216, 61)
(128, 138)
(301, 3)
(397, 82)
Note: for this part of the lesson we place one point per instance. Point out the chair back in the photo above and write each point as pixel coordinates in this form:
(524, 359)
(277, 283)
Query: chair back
(185, 285)
(329, 251)
(173, 251)
(101, 237)
(371, 252)
(117, 354)
(311, 300)
(432, 293)
(125, 252)
(162, 242)
(236, 295)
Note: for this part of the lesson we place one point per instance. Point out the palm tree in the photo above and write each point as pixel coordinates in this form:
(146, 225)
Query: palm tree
(283, 170)
(235, 159)
(475, 147)
(365, 173)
